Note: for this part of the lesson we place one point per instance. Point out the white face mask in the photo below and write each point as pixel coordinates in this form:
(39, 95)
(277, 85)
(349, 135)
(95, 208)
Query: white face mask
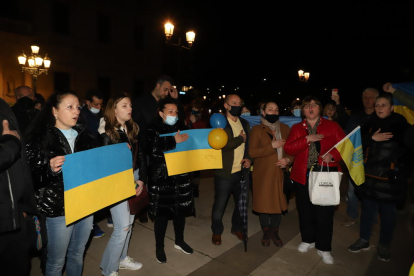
(94, 110)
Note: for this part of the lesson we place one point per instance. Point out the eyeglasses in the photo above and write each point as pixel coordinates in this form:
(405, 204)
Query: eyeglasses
(310, 105)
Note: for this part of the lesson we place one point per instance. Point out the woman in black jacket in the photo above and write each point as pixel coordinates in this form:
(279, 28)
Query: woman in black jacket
(385, 175)
(171, 197)
(117, 126)
(54, 134)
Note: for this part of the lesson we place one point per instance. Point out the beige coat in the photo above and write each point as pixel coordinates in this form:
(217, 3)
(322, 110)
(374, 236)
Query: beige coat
(268, 196)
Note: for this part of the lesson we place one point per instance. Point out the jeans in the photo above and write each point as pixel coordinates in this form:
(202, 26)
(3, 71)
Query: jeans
(224, 187)
(353, 201)
(388, 214)
(117, 247)
(315, 222)
(66, 242)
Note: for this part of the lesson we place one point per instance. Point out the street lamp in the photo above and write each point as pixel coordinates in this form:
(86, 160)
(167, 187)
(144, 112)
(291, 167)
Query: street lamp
(303, 76)
(34, 62)
(169, 30)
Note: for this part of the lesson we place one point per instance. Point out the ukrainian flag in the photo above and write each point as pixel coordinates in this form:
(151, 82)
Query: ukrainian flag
(195, 154)
(351, 152)
(96, 178)
(407, 87)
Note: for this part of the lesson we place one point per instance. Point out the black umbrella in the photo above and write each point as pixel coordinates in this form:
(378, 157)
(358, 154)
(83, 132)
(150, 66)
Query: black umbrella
(244, 202)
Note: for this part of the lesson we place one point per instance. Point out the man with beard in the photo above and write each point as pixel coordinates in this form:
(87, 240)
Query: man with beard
(24, 109)
(227, 180)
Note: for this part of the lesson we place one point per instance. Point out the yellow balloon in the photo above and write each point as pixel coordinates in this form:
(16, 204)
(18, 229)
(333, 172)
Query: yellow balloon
(217, 138)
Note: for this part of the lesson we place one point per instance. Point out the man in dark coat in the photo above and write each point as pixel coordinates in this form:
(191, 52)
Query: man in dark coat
(16, 197)
(227, 180)
(24, 109)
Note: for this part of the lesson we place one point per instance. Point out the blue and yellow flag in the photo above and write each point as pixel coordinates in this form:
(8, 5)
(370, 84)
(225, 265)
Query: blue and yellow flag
(195, 154)
(407, 87)
(96, 178)
(352, 153)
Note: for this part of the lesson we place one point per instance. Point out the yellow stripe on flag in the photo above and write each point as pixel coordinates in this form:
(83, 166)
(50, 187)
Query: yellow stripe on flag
(406, 112)
(193, 160)
(106, 191)
(354, 162)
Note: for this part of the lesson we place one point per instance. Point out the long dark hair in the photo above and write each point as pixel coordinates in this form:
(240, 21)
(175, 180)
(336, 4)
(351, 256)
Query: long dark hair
(45, 118)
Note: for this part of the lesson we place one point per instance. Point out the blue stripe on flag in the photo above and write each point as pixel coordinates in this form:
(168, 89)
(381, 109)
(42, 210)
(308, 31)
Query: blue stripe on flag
(407, 87)
(198, 139)
(90, 165)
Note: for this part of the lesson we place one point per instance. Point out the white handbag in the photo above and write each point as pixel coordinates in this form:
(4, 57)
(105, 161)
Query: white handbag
(324, 187)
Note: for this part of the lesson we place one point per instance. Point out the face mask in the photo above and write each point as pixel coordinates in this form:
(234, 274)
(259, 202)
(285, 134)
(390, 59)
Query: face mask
(246, 114)
(171, 120)
(94, 110)
(194, 112)
(272, 118)
(235, 110)
(26, 103)
(296, 112)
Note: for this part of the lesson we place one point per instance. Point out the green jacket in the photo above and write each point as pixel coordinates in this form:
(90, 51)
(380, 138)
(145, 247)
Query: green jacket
(404, 98)
(232, 144)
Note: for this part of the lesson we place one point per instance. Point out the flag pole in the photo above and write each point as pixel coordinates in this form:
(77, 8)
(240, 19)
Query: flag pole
(346, 137)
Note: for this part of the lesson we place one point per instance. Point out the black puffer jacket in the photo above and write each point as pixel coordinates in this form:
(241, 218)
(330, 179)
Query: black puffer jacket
(385, 182)
(48, 184)
(169, 195)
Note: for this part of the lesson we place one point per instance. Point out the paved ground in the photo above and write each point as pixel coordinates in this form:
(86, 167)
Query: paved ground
(230, 258)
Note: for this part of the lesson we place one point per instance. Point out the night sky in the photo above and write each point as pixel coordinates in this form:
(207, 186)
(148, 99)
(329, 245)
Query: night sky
(345, 46)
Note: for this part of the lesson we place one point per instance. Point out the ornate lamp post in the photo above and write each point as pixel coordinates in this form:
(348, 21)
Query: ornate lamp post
(169, 30)
(303, 76)
(34, 62)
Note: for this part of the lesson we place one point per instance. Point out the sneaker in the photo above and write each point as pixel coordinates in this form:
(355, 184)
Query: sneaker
(160, 254)
(129, 263)
(383, 253)
(304, 246)
(326, 257)
(110, 222)
(358, 245)
(185, 248)
(98, 233)
(349, 222)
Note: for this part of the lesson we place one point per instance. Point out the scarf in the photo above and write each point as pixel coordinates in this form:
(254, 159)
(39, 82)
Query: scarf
(276, 129)
(313, 153)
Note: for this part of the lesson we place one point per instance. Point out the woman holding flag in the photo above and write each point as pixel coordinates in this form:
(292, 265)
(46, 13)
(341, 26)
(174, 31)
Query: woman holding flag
(308, 141)
(55, 133)
(117, 126)
(171, 197)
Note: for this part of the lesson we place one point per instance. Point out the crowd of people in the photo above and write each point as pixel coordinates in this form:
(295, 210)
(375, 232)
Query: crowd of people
(35, 141)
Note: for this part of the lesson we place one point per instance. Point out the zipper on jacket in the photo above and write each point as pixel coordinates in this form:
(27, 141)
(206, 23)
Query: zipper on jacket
(12, 200)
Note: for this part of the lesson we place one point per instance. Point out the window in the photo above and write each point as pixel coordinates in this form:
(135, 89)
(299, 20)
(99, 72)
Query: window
(61, 80)
(60, 18)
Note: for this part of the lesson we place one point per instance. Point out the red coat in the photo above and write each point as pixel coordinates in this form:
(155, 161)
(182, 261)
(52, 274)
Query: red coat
(297, 146)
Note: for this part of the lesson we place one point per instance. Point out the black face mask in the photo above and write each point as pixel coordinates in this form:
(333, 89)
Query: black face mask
(26, 103)
(235, 110)
(272, 118)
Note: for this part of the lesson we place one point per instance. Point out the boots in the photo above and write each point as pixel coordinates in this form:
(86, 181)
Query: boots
(274, 235)
(266, 236)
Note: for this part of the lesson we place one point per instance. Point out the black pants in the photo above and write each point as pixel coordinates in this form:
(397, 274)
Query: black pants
(223, 188)
(160, 226)
(15, 251)
(315, 222)
(270, 220)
